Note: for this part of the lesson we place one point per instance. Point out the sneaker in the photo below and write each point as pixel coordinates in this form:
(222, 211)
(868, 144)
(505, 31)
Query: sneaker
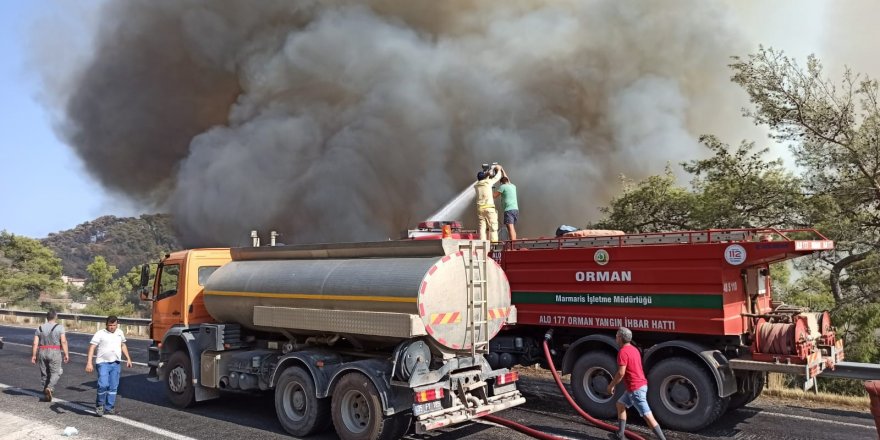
(111, 412)
(615, 436)
(99, 411)
(48, 393)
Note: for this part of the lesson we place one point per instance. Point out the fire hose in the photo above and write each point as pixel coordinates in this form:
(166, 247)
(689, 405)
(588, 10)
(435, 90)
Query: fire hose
(544, 436)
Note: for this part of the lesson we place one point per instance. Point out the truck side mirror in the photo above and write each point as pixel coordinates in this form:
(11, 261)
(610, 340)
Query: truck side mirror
(145, 275)
(144, 292)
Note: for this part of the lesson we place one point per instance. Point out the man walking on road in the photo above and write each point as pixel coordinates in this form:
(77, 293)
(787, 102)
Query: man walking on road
(110, 346)
(629, 368)
(511, 209)
(49, 343)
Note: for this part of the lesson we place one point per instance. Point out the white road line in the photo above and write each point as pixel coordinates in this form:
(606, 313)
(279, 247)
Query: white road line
(120, 419)
(141, 364)
(814, 419)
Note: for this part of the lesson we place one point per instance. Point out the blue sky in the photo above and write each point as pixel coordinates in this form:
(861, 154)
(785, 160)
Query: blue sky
(43, 187)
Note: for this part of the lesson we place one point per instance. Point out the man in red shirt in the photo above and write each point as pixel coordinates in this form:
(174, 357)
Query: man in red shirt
(629, 369)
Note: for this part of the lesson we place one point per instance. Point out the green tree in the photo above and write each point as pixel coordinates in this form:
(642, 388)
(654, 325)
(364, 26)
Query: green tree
(731, 189)
(834, 130)
(27, 269)
(128, 284)
(739, 189)
(106, 297)
(654, 204)
(75, 293)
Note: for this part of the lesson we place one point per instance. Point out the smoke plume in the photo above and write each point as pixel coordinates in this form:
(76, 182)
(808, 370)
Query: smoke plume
(350, 120)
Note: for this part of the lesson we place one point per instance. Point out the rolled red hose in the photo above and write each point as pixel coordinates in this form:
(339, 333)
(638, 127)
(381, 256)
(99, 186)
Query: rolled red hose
(596, 422)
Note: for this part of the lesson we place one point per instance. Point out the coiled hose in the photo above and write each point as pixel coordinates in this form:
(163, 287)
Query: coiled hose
(777, 338)
(542, 435)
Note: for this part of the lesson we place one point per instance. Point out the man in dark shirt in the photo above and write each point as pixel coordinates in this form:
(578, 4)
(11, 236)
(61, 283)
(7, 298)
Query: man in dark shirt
(50, 349)
(629, 369)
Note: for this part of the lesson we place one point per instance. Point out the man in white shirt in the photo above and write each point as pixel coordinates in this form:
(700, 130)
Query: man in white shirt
(110, 346)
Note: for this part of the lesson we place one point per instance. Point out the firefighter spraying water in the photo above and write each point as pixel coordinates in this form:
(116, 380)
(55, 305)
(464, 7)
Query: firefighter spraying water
(487, 216)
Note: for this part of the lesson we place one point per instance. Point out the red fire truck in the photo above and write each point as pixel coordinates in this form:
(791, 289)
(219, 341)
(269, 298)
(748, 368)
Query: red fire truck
(699, 303)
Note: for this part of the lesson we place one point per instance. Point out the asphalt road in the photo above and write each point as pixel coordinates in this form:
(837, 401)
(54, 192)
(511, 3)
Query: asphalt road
(145, 413)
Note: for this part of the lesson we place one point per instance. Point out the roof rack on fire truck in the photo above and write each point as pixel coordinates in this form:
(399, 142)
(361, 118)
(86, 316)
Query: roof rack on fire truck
(679, 237)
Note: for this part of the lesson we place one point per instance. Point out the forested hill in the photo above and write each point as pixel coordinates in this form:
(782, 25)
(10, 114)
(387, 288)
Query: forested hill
(123, 242)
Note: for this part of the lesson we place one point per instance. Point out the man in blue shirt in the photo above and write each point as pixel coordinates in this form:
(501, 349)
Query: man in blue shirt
(511, 210)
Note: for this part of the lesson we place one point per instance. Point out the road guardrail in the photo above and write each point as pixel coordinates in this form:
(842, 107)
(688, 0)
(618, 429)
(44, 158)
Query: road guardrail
(142, 324)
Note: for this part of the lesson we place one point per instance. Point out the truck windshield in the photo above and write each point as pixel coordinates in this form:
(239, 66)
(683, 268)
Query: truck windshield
(168, 276)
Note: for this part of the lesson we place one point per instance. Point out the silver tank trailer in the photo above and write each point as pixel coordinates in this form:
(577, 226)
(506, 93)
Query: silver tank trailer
(382, 292)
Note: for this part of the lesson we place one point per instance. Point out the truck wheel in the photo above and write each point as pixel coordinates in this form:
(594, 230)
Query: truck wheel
(179, 380)
(357, 411)
(400, 425)
(590, 377)
(760, 381)
(682, 395)
(299, 410)
(745, 395)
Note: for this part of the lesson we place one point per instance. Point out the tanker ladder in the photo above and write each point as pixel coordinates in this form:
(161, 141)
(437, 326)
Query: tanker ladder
(478, 308)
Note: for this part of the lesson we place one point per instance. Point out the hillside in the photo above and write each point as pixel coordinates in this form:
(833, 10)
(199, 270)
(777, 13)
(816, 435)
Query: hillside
(124, 242)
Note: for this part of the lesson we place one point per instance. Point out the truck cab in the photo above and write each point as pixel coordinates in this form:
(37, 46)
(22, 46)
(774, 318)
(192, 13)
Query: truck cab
(178, 290)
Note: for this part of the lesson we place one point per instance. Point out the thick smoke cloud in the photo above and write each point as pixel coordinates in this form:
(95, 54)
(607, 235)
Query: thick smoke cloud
(336, 121)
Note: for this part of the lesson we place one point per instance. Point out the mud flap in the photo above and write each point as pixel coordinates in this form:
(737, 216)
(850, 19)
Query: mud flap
(724, 377)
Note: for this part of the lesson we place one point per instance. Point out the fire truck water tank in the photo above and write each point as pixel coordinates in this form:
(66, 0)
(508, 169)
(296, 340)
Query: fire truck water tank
(432, 289)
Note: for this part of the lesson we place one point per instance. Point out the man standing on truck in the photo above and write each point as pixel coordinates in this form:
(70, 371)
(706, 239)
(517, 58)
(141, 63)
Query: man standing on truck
(110, 345)
(50, 341)
(511, 209)
(629, 368)
(486, 213)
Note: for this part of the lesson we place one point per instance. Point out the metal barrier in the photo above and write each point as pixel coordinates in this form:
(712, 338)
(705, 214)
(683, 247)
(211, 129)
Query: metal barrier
(142, 324)
(76, 317)
(853, 370)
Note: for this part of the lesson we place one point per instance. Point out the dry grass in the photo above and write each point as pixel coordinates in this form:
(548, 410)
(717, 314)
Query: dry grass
(776, 388)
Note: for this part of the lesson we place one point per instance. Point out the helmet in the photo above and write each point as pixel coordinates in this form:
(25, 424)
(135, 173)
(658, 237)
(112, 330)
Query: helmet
(482, 175)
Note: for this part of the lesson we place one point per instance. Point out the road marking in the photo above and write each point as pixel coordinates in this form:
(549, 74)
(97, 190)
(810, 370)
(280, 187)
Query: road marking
(814, 419)
(120, 419)
(140, 364)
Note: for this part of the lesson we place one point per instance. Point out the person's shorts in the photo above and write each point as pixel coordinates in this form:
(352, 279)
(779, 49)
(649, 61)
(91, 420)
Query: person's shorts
(637, 398)
(510, 217)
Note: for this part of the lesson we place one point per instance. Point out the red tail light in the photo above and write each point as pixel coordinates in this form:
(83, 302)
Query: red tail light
(427, 396)
(505, 379)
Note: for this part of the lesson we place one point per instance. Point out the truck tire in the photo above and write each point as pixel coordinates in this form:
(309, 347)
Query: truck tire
(747, 394)
(400, 425)
(297, 405)
(357, 411)
(590, 377)
(683, 396)
(179, 380)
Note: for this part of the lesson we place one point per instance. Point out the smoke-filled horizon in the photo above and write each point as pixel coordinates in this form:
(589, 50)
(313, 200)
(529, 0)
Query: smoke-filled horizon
(347, 121)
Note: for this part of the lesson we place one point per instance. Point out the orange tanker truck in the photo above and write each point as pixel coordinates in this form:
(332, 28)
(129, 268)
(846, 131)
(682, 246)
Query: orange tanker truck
(368, 337)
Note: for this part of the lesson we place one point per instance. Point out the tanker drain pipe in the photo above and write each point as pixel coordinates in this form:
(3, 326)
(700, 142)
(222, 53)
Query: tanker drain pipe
(596, 422)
